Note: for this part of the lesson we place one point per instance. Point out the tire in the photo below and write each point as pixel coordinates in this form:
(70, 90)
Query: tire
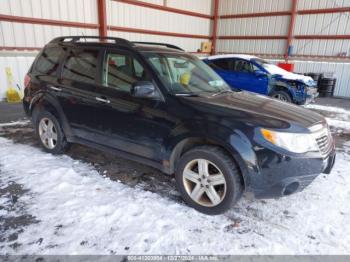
(60, 144)
(218, 160)
(282, 96)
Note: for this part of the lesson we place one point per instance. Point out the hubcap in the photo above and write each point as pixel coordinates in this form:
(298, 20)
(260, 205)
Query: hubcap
(48, 133)
(204, 182)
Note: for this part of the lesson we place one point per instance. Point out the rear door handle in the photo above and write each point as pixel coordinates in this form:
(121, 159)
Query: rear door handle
(55, 88)
(103, 100)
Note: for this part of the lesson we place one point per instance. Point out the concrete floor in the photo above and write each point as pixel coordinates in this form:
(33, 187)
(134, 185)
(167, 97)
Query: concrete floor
(11, 112)
(337, 102)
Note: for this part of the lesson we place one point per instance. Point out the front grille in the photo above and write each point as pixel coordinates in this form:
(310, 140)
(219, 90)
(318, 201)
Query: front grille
(324, 141)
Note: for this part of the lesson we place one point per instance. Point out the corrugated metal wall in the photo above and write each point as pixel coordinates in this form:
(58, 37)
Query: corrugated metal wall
(258, 26)
(306, 24)
(126, 15)
(322, 24)
(35, 35)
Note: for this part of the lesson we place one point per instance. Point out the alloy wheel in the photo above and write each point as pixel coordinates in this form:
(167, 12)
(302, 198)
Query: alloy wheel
(204, 182)
(48, 133)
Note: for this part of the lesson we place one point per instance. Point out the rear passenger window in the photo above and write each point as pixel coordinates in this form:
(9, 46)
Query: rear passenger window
(223, 64)
(121, 71)
(48, 61)
(81, 65)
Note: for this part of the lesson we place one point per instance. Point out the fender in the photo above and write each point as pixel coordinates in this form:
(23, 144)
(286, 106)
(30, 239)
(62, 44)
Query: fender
(51, 104)
(297, 94)
(235, 142)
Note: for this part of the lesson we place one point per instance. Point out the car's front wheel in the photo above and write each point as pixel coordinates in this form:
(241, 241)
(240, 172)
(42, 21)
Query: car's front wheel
(209, 180)
(50, 134)
(282, 96)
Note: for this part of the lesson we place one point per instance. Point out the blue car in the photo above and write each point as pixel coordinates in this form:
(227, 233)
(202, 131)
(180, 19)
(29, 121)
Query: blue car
(256, 75)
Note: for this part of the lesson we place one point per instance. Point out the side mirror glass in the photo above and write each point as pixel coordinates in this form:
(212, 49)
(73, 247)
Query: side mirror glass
(144, 89)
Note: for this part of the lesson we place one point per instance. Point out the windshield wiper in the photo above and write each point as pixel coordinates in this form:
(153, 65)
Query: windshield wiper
(222, 92)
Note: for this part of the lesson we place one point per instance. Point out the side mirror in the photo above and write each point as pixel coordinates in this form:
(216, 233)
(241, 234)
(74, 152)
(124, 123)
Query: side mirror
(260, 73)
(144, 89)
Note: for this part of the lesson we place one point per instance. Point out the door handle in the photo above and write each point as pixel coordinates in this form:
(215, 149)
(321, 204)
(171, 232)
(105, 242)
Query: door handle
(55, 88)
(103, 100)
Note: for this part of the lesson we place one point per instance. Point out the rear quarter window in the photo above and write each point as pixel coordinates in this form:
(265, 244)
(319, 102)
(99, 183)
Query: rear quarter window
(48, 61)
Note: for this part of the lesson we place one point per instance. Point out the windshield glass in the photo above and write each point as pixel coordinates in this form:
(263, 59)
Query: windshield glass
(271, 68)
(186, 74)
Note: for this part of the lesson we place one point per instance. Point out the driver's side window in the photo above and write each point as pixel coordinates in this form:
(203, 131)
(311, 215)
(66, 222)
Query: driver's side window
(121, 71)
(243, 66)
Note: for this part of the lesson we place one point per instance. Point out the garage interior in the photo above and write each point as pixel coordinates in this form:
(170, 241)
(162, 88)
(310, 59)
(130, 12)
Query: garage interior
(313, 36)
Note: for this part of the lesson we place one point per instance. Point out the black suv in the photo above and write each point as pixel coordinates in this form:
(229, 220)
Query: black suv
(156, 104)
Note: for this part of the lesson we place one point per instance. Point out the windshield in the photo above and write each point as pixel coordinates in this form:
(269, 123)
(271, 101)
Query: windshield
(186, 74)
(271, 68)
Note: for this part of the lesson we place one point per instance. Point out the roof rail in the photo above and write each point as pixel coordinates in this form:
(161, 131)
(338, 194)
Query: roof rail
(160, 44)
(73, 39)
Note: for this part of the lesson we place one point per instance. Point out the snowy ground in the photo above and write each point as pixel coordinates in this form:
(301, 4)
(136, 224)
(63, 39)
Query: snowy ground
(74, 204)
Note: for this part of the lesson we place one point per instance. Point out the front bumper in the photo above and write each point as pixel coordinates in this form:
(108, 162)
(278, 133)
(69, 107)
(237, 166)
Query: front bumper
(281, 175)
(311, 95)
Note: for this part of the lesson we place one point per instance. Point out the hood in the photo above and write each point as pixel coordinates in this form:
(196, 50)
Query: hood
(258, 110)
(285, 75)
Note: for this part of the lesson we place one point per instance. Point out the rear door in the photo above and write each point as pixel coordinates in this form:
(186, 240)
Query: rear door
(76, 89)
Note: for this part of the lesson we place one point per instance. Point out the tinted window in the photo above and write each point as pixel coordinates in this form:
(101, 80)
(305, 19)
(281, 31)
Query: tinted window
(48, 61)
(81, 65)
(223, 64)
(121, 71)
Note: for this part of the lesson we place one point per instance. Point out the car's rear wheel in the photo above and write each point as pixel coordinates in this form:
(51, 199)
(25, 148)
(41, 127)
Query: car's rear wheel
(282, 96)
(50, 134)
(209, 180)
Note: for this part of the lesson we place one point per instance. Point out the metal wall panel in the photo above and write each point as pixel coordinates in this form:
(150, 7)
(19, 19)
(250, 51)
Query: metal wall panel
(228, 7)
(126, 15)
(318, 4)
(84, 11)
(30, 35)
(277, 25)
(321, 47)
(322, 24)
(19, 66)
(189, 44)
(251, 46)
(253, 26)
(341, 72)
(199, 6)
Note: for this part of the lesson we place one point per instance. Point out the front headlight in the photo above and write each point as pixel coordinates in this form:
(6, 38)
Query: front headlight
(293, 142)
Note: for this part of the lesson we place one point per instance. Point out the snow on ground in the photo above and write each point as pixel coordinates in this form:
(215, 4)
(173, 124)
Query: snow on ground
(78, 211)
(15, 123)
(328, 108)
(336, 117)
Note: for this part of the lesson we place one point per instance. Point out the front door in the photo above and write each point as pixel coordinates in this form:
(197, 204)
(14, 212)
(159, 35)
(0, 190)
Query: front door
(246, 78)
(134, 125)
